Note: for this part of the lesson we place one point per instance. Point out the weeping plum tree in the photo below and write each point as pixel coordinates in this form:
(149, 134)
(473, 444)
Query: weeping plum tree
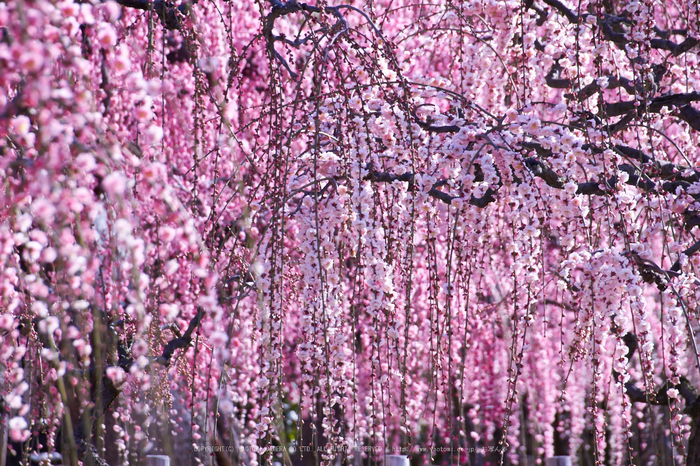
(241, 233)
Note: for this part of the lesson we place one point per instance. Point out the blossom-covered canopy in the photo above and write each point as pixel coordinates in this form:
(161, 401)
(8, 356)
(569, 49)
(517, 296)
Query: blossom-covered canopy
(286, 232)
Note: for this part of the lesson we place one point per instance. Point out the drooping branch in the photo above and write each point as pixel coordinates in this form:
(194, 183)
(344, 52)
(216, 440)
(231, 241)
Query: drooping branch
(678, 176)
(385, 177)
(661, 398)
(551, 178)
(591, 188)
(631, 109)
(280, 9)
